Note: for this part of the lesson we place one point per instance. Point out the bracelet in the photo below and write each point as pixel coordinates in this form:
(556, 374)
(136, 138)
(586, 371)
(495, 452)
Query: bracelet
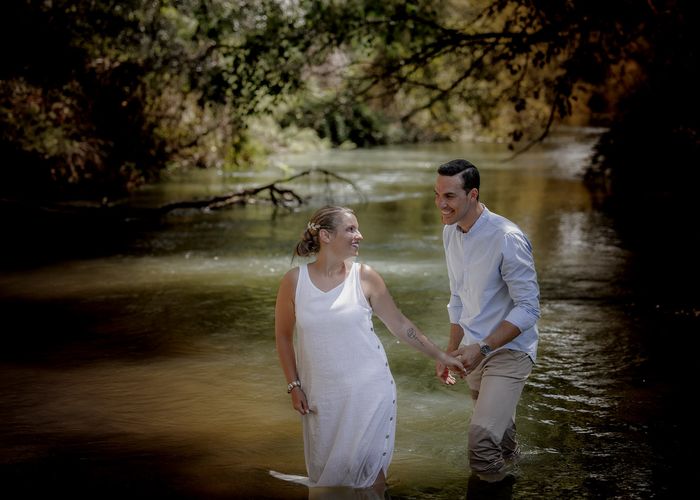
(292, 385)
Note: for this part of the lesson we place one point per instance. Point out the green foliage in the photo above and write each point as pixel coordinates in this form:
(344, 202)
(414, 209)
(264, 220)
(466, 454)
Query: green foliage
(340, 122)
(515, 68)
(528, 61)
(99, 97)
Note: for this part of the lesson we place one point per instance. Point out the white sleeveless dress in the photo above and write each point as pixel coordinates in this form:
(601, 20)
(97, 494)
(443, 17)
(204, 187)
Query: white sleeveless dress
(343, 369)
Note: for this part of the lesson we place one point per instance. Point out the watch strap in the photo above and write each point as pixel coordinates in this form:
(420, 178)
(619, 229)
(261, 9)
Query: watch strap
(485, 349)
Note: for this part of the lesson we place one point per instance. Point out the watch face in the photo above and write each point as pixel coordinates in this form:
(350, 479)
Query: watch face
(485, 350)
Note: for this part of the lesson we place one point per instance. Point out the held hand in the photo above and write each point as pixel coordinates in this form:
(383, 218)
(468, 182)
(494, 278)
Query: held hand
(299, 401)
(469, 355)
(454, 364)
(443, 373)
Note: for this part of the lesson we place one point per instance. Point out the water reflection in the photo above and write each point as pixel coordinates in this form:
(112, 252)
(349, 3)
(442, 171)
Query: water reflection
(150, 368)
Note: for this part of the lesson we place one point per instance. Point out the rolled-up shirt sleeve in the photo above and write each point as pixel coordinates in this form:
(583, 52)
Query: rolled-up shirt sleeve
(518, 271)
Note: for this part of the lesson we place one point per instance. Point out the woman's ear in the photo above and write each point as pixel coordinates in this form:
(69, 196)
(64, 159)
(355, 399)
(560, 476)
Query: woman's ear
(324, 235)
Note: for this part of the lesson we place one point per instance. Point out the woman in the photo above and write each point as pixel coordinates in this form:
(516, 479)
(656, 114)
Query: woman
(339, 379)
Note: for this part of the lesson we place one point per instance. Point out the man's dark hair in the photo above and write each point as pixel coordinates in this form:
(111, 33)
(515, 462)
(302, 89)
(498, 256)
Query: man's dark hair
(470, 174)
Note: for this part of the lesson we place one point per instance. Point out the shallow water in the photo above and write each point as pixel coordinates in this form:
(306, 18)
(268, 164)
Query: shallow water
(147, 366)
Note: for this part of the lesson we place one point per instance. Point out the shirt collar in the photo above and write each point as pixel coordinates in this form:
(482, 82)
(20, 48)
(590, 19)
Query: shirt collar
(477, 223)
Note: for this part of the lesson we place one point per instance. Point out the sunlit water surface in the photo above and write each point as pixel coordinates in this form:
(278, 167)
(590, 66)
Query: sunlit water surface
(151, 369)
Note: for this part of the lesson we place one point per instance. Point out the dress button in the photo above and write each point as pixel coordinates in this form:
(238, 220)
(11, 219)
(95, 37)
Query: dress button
(391, 419)
(384, 453)
(387, 436)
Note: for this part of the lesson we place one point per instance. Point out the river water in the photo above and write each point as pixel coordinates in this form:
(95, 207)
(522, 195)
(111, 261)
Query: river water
(139, 357)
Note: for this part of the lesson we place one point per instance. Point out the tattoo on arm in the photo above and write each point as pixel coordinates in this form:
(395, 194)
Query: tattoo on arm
(411, 334)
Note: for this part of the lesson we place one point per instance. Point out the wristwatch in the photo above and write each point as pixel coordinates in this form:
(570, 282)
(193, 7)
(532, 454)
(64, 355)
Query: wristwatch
(485, 349)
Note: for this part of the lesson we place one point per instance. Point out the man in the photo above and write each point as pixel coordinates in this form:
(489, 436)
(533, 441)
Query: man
(493, 310)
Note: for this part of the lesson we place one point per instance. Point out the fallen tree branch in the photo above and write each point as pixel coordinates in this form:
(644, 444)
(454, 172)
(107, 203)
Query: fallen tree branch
(87, 214)
(278, 196)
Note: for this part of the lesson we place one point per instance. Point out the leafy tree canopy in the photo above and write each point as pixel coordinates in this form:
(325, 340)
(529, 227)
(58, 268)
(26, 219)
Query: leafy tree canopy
(101, 96)
(521, 66)
(98, 97)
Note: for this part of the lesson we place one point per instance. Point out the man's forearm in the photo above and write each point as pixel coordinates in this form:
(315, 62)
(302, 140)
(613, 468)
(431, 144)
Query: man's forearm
(503, 333)
(456, 336)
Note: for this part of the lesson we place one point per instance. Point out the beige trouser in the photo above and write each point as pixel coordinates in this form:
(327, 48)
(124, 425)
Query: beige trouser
(496, 385)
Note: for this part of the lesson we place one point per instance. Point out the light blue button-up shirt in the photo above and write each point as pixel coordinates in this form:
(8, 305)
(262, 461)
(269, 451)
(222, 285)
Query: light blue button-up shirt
(492, 278)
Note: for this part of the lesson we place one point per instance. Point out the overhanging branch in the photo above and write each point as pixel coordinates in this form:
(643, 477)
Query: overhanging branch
(277, 195)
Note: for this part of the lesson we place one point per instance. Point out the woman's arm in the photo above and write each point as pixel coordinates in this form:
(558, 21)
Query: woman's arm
(398, 324)
(285, 319)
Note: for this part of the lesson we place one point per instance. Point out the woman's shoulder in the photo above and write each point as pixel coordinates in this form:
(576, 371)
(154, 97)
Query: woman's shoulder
(363, 268)
(368, 273)
(293, 271)
(291, 276)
